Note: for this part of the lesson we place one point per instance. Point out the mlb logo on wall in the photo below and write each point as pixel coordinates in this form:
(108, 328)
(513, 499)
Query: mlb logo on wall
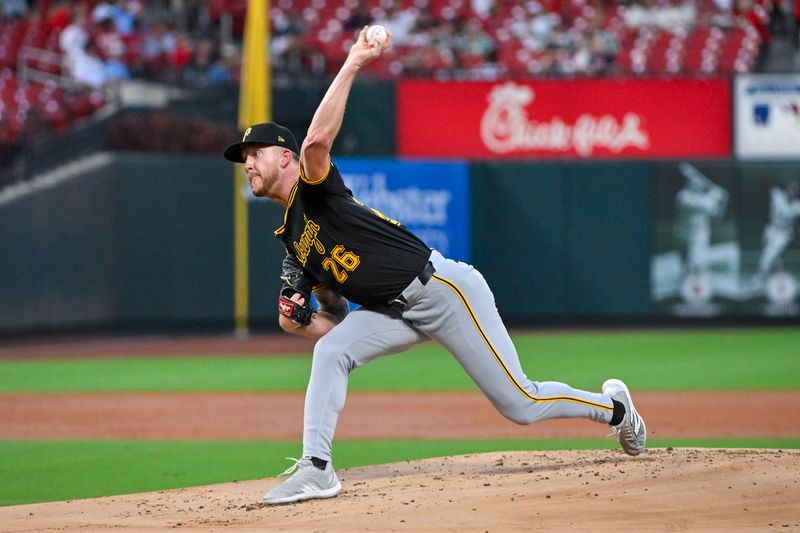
(761, 114)
(768, 116)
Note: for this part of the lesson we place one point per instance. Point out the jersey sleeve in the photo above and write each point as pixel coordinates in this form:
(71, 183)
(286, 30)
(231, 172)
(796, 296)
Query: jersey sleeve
(331, 182)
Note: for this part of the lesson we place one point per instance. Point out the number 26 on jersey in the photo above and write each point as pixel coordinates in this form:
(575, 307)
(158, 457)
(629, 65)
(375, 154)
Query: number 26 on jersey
(340, 263)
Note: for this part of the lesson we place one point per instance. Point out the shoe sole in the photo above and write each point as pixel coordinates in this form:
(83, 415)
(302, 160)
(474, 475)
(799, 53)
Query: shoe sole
(315, 495)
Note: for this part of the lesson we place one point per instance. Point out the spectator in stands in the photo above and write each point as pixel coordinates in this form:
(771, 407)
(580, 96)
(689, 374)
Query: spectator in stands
(472, 45)
(360, 17)
(432, 51)
(399, 20)
(722, 16)
(581, 59)
(546, 63)
(181, 54)
(156, 41)
(603, 47)
(443, 41)
(122, 13)
(426, 20)
(205, 67)
(104, 34)
(483, 9)
(165, 52)
(117, 70)
(230, 60)
(286, 49)
(472, 39)
(421, 32)
(72, 40)
(110, 46)
(752, 14)
(59, 16)
(778, 18)
(126, 16)
(534, 27)
(103, 11)
(13, 9)
(674, 15)
(88, 67)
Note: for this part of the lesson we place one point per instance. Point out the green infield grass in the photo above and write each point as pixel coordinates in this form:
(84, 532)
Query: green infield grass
(649, 360)
(39, 471)
(31, 471)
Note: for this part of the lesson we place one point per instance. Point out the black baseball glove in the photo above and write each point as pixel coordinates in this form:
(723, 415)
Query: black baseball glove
(295, 281)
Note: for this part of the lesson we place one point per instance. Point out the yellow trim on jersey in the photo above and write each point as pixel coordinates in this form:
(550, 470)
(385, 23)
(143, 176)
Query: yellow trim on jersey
(486, 340)
(286, 213)
(315, 182)
(316, 288)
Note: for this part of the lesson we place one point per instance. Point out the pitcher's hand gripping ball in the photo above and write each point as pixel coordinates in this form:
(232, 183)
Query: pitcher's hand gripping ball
(295, 281)
(377, 34)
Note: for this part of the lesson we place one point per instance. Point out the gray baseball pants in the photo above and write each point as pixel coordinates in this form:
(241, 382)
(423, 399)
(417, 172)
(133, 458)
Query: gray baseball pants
(456, 308)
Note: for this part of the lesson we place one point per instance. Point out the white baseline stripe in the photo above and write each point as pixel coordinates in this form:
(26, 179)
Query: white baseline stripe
(53, 177)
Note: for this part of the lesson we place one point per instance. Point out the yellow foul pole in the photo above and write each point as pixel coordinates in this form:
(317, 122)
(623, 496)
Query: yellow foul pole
(254, 106)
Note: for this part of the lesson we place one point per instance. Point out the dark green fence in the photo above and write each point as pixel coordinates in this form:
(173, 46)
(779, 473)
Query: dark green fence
(142, 240)
(147, 240)
(563, 240)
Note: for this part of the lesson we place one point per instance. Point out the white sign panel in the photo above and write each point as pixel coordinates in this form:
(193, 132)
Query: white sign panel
(767, 112)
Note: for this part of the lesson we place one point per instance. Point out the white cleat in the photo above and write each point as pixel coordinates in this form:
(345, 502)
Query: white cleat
(307, 482)
(631, 432)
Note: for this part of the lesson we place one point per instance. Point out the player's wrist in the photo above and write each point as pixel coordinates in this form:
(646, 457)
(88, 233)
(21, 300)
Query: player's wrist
(351, 64)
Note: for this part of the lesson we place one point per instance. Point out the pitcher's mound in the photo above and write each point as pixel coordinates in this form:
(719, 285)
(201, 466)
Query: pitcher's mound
(663, 489)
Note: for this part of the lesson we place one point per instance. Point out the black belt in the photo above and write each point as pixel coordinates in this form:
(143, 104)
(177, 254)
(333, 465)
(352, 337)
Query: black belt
(424, 277)
(427, 272)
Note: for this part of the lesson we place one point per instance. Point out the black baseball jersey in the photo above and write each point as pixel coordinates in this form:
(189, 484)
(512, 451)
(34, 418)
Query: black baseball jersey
(350, 248)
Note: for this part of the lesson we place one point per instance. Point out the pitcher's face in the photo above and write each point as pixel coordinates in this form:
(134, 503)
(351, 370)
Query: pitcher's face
(261, 164)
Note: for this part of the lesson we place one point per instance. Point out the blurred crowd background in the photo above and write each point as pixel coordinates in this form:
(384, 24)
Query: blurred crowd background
(61, 61)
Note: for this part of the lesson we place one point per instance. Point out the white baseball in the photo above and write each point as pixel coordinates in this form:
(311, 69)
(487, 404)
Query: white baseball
(377, 33)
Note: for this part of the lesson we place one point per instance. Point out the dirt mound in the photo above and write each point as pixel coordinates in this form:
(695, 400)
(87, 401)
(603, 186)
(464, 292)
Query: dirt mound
(664, 489)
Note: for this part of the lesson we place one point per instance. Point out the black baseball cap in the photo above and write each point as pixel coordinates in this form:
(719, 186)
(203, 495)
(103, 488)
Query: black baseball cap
(264, 133)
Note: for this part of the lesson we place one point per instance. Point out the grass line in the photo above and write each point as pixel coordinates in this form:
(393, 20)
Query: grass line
(755, 359)
(37, 471)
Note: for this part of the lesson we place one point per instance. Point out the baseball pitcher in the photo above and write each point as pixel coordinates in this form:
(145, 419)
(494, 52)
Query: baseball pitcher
(340, 249)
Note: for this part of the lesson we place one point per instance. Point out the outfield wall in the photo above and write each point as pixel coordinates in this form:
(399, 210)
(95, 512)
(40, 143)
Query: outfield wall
(141, 240)
(563, 240)
(147, 240)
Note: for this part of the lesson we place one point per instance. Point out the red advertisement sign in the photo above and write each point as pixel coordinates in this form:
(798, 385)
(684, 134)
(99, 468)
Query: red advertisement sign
(572, 119)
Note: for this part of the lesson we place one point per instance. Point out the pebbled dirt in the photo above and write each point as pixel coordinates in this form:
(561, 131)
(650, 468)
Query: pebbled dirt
(661, 490)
